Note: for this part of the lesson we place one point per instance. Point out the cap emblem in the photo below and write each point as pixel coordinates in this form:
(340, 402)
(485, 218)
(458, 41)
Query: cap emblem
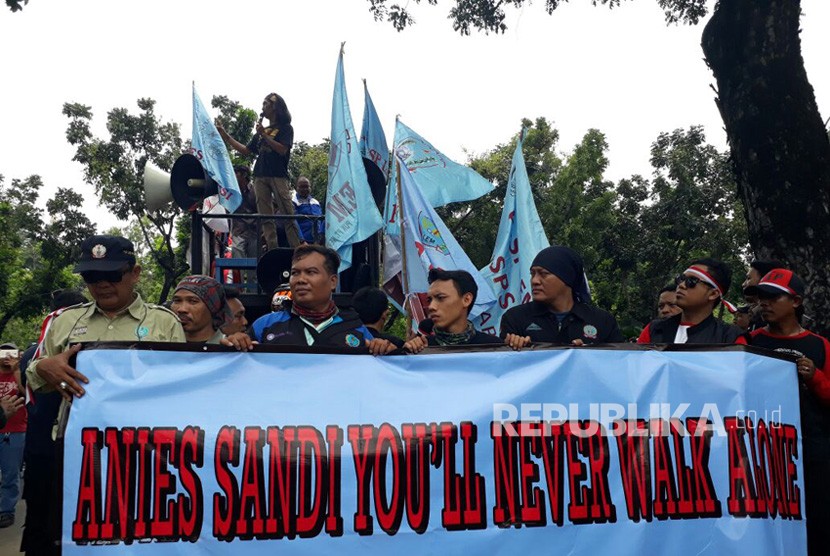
(99, 252)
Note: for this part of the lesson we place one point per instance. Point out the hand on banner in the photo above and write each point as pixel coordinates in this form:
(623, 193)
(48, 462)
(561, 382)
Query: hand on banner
(517, 342)
(59, 374)
(379, 346)
(221, 129)
(416, 344)
(9, 405)
(240, 341)
(577, 342)
(806, 367)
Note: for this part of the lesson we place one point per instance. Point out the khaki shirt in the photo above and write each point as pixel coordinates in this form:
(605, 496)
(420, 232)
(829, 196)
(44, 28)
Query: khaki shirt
(217, 337)
(140, 321)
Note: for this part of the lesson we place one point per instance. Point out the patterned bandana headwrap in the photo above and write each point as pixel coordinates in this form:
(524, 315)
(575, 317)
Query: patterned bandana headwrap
(212, 295)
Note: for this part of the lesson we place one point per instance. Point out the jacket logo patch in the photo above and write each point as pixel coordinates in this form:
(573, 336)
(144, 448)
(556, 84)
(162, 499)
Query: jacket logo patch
(589, 331)
(352, 340)
(79, 331)
(533, 328)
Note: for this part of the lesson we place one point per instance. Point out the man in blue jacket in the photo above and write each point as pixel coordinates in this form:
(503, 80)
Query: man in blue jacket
(305, 204)
(313, 318)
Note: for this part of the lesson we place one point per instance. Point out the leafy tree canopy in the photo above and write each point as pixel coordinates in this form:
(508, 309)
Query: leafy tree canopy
(489, 15)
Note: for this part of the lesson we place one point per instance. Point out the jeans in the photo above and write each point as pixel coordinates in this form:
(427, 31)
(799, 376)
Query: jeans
(11, 456)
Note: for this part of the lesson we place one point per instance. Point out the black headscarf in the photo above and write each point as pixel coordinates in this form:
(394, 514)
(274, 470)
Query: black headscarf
(566, 264)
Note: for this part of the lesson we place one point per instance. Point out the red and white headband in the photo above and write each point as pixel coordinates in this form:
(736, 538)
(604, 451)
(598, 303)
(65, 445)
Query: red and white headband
(706, 278)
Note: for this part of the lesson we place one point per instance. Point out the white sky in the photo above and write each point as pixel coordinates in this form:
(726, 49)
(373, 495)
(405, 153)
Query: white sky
(622, 71)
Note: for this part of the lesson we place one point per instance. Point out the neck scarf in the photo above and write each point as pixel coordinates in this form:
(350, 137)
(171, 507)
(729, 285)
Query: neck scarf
(445, 338)
(315, 317)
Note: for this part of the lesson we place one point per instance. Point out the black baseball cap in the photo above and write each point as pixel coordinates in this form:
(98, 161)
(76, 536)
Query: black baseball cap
(105, 253)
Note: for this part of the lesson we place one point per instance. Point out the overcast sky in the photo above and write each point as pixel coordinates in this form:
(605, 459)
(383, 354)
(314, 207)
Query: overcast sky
(622, 71)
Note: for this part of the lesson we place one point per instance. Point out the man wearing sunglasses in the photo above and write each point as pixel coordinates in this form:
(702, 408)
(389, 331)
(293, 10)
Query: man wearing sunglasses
(117, 312)
(700, 288)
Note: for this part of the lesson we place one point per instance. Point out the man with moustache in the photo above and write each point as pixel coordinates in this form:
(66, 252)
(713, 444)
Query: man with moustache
(313, 319)
(199, 302)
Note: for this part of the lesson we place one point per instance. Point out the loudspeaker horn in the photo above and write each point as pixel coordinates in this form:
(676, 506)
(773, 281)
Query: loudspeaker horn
(189, 183)
(157, 192)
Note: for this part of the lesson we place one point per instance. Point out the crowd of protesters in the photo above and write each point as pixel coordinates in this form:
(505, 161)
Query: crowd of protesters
(205, 311)
(305, 314)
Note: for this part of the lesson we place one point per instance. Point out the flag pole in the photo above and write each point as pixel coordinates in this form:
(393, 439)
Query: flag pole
(405, 278)
(407, 305)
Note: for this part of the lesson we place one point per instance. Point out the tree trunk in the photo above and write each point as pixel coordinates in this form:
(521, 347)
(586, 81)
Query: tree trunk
(5, 319)
(777, 139)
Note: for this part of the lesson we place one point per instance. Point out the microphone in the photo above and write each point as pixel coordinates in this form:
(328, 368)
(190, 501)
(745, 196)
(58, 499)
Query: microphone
(425, 327)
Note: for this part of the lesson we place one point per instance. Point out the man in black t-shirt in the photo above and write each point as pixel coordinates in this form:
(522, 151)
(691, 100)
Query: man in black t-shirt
(272, 147)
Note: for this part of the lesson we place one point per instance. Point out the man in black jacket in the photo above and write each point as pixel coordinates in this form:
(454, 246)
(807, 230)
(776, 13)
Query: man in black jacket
(314, 319)
(700, 288)
(559, 312)
(452, 293)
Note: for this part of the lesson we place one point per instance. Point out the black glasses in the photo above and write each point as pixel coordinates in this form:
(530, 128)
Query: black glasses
(95, 276)
(690, 281)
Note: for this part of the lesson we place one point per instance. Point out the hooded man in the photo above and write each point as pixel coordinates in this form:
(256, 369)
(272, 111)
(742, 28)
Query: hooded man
(560, 312)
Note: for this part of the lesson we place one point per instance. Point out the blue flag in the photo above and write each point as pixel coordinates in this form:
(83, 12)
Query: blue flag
(351, 212)
(441, 180)
(428, 244)
(520, 238)
(372, 139)
(211, 151)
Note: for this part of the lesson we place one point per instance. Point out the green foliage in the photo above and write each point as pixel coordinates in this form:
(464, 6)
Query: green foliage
(115, 167)
(37, 253)
(489, 15)
(311, 161)
(634, 236)
(238, 121)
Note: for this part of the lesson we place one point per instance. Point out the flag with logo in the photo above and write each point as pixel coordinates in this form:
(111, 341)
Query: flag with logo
(441, 180)
(372, 139)
(520, 237)
(213, 155)
(351, 212)
(428, 243)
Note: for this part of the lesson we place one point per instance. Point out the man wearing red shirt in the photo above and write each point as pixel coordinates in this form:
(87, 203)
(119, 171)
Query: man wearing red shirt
(780, 295)
(12, 435)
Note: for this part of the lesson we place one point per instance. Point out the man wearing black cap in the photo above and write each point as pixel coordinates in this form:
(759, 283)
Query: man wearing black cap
(559, 312)
(109, 269)
(117, 312)
(780, 295)
(700, 288)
